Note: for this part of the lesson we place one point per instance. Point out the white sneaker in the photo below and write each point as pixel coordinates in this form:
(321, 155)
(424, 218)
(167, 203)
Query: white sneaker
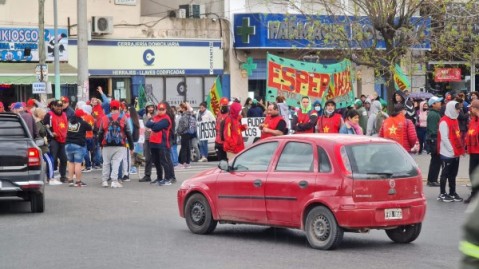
(104, 184)
(116, 184)
(54, 182)
(204, 159)
(187, 166)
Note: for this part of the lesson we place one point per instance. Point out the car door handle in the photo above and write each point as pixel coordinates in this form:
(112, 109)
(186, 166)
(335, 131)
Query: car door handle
(257, 183)
(303, 184)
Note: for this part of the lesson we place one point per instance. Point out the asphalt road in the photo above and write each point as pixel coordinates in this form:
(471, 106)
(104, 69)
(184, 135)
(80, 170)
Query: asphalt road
(139, 227)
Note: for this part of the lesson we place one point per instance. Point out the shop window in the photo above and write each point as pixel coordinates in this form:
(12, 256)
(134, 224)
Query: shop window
(175, 90)
(154, 89)
(194, 91)
(122, 89)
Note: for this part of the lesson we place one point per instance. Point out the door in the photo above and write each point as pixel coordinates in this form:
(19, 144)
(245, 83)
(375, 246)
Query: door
(290, 183)
(240, 192)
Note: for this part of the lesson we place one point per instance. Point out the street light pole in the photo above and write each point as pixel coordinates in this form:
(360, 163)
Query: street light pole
(82, 82)
(41, 44)
(55, 51)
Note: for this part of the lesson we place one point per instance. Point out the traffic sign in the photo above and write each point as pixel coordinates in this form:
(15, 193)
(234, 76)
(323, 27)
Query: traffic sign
(39, 87)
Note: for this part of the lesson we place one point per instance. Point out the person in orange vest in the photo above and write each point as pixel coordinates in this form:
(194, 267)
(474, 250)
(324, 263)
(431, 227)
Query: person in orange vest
(330, 121)
(57, 123)
(472, 145)
(273, 124)
(450, 149)
(233, 139)
(305, 119)
(399, 129)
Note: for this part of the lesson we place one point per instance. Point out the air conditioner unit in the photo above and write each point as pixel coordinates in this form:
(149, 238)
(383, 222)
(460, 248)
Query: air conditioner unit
(102, 25)
(194, 11)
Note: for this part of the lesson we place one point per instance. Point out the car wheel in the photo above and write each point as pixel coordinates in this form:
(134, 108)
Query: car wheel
(198, 215)
(405, 234)
(37, 202)
(322, 230)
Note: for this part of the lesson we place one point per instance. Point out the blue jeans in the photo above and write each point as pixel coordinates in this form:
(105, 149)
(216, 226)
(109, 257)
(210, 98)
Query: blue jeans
(75, 153)
(203, 144)
(97, 158)
(174, 154)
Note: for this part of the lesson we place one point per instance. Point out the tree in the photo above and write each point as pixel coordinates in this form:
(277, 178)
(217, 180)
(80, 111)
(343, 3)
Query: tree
(380, 33)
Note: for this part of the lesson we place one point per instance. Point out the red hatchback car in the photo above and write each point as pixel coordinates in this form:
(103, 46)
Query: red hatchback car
(324, 184)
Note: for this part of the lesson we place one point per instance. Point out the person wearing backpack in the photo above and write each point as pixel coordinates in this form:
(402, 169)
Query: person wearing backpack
(112, 134)
(376, 118)
(186, 129)
(160, 143)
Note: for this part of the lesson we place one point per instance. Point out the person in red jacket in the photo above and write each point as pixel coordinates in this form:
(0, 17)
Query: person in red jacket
(233, 139)
(305, 119)
(57, 123)
(472, 143)
(274, 124)
(399, 129)
(330, 121)
(220, 120)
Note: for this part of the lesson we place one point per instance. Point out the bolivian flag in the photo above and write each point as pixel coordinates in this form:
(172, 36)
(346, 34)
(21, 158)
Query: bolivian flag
(401, 81)
(214, 97)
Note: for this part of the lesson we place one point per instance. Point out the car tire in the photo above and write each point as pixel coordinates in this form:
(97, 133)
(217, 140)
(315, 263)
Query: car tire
(322, 229)
(405, 234)
(37, 202)
(198, 215)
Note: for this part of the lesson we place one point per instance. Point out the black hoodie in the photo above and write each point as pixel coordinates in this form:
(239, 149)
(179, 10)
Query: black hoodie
(77, 129)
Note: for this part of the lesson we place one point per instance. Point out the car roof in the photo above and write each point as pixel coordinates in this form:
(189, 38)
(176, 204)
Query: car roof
(343, 139)
(9, 115)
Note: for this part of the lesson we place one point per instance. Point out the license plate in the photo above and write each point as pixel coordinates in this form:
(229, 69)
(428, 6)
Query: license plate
(393, 213)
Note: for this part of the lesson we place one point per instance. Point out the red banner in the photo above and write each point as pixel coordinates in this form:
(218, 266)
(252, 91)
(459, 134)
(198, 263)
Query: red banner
(447, 74)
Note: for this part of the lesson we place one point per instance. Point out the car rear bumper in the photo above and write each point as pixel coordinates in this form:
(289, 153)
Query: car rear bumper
(372, 215)
(15, 186)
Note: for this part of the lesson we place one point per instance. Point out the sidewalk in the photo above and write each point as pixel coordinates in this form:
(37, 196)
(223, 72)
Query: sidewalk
(424, 159)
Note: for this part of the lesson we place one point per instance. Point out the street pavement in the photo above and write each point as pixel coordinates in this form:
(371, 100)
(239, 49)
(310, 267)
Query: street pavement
(139, 227)
(424, 159)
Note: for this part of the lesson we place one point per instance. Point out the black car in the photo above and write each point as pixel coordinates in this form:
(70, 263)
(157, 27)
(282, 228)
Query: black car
(21, 163)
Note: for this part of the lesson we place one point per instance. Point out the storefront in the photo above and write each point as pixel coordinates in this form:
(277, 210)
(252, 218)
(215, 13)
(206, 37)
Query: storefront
(19, 57)
(174, 70)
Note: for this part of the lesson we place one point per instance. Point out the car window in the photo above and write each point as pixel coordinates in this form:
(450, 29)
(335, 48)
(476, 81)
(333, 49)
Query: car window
(12, 128)
(380, 160)
(296, 156)
(324, 163)
(256, 158)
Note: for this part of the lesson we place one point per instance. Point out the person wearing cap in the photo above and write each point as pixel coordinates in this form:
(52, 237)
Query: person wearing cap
(450, 149)
(2, 108)
(160, 141)
(27, 117)
(363, 113)
(57, 123)
(66, 107)
(149, 113)
(255, 110)
(113, 151)
(432, 125)
(330, 121)
(30, 105)
(204, 115)
(75, 147)
(305, 118)
(219, 127)
(398, 128)
(472, 146)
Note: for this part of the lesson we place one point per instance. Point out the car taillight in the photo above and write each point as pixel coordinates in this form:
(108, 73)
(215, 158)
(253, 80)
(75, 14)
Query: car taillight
(33, 157)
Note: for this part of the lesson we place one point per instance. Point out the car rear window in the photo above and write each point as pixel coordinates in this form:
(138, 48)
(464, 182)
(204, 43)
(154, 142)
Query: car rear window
(380, 160)
(12, 128)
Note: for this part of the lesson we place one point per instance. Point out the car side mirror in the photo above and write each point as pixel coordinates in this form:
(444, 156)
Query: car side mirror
(223, 165)
(40, 142)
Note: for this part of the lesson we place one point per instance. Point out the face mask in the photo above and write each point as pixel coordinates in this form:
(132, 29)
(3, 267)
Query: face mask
(317, 108)
(330, 111)
(224, 110)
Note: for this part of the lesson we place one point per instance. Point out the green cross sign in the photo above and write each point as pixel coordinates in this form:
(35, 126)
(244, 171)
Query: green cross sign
(245, 30)
(249, 66)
